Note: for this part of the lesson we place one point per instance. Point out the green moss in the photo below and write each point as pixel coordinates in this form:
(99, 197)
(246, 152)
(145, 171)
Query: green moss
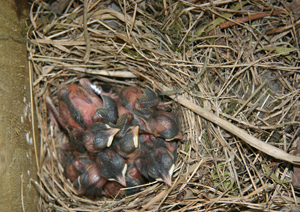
(174, 28)
(274, 104)
(133, 54)
(224, 175)
(231, 107)
(187, 147)
(273, 175)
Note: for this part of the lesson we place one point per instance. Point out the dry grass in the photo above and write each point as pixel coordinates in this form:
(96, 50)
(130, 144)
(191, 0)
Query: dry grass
(236, 91)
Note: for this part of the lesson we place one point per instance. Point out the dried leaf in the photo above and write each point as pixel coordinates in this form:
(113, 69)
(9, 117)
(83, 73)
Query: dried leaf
(273, 175)
(285, 51)
(210, 26)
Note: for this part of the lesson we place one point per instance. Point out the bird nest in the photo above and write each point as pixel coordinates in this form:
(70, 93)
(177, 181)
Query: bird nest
(229, 69)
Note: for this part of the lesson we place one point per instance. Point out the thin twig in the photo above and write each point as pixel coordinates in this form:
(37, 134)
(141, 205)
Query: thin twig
(86, 34)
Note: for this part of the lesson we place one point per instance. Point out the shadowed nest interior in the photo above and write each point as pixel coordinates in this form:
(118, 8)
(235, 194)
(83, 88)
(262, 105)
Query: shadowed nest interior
(229, 68)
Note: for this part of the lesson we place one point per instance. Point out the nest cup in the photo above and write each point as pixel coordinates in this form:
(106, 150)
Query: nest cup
(111, 63)
(124, 46)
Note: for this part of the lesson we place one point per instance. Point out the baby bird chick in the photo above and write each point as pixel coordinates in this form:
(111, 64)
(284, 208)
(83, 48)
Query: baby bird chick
(127, 143)
(108, 111)
(111, 165)
(133, 178)
(75, 103)
(74, 130)
(154, 161)
(90, 182)
(164, 124)
(77, 165)
(138, 100)
(98, 137)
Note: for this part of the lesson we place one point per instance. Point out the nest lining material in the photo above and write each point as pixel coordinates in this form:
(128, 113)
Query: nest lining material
(246, 80)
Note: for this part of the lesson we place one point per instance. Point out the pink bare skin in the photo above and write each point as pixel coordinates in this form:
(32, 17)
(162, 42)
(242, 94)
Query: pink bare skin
(75, 99)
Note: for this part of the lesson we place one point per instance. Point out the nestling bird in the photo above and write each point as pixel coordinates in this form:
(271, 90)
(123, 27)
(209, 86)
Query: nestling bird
(75, 103)
(82, 106)
(126, 140)
(77, 165)
(159, 142)
(111, 165)
(98, 137)
(163, 124)
(127, 143)
(90, 182)
(138, 100)
(133, 179)
(157, 164)
(74, 130)
(108, 111)
(112, 189)
(153, 160)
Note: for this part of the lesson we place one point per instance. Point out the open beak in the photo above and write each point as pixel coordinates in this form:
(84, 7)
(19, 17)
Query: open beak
(121, 179)
(135, 133)
(111, 134)
(167, 178)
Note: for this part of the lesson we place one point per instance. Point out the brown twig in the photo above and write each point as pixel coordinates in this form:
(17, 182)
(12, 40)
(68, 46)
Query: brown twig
(280, 29)
(227, 24)
(86, 34)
